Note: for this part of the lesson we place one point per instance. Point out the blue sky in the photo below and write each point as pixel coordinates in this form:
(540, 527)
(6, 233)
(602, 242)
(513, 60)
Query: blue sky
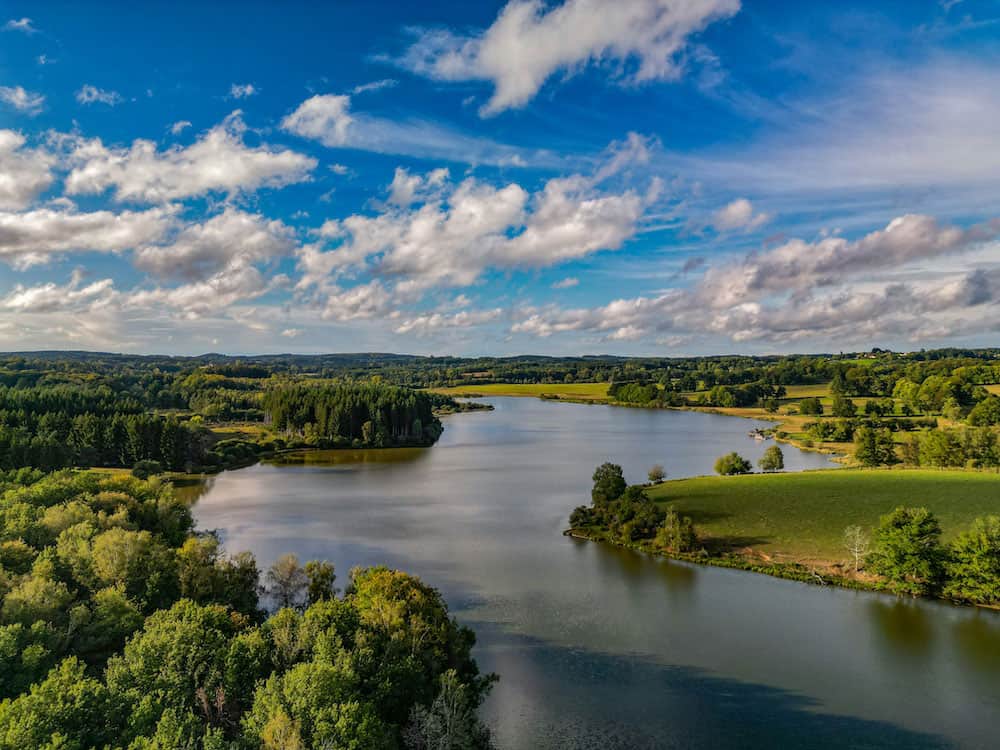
(653, 177)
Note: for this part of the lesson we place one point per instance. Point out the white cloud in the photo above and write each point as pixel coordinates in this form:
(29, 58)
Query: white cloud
(44, 60)
(292, 333)
(739, 214)
(324, 118)
(32, 237)
(530, 42)
(20, 24)
(21, 100)
(24, 173)
(425, 325)
(567, 283)
(385, 83)
(340, 169)
(242, 91)
(179, 127)
(825, 289)
(50, 297)
(230, 238)
(328, 118)
(219, 161)
(235, 283)
(435, 233)
(92, 95)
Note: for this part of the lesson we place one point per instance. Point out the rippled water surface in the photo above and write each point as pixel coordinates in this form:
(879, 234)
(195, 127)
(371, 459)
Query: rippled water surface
(605, 648)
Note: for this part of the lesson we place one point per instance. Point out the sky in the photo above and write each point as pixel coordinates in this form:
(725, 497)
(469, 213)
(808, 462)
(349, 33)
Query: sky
(639, 177)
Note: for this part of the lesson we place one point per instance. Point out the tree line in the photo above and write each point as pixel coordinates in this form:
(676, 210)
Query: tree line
(368, 414)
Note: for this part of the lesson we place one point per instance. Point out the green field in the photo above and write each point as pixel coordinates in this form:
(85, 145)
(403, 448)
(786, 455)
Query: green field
(803, 515)
(570, 391)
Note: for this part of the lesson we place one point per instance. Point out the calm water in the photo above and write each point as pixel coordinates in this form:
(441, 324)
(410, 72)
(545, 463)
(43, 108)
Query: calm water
(605, 648)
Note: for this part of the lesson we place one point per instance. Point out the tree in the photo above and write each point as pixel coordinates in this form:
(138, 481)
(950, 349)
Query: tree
(657, 474)
(287, 582)
(907, 550)
(66, 710)
(973, 566)
(986, 412)
(856, 542)
(772, 460)
(812, 406)
(449, 723)
(731, 464)
(844, 407)
(609, 484)
(677, 533)
(874, 447)
(321, 577)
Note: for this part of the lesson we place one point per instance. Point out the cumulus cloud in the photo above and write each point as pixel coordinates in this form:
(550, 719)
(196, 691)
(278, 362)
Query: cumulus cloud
(798, 265)
(51, 297)
(433, 232)
(739, 215)
(530, 42)
(235, 283)
(219, 161)
(179, 127)
(804, 290)
(24, 101)
(226, 240)
(24, 173)
(89, 94)
(32, 237)
(324, 118)
(425, 325)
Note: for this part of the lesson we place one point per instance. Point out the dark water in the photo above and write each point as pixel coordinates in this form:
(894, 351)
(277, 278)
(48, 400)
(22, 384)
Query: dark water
(604, 648)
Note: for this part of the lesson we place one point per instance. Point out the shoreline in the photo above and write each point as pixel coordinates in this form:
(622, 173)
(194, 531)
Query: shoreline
(784, 571)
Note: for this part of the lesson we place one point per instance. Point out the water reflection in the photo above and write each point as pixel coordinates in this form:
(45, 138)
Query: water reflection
(599, 645)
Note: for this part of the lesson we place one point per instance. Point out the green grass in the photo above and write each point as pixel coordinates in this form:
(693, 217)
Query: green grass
(572, 391)
(795, 392)
(803, 515)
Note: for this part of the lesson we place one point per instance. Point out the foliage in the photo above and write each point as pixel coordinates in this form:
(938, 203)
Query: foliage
(811, 406)
(732, 464)
(772, 460)
(609, 484)
(907, 551)
(370, 414)
(972, 568)
(656, 474)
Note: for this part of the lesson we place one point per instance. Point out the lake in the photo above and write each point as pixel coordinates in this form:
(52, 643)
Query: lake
(599, 647)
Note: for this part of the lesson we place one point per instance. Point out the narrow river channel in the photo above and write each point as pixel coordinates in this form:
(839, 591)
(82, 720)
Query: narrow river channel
(603, 648)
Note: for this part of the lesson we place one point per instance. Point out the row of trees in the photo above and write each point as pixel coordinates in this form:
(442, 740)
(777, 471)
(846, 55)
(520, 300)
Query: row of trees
(121, 628)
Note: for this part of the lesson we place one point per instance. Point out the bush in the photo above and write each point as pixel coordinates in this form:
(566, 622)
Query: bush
(146, 469)
(811, 406)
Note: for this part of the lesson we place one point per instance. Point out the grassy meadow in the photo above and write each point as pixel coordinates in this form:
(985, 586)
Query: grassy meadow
(802, 516)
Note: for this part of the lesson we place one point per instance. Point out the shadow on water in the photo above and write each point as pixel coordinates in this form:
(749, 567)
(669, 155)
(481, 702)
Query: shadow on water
(576, 702)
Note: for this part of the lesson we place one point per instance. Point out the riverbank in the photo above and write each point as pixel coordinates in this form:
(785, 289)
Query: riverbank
(791, 525)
